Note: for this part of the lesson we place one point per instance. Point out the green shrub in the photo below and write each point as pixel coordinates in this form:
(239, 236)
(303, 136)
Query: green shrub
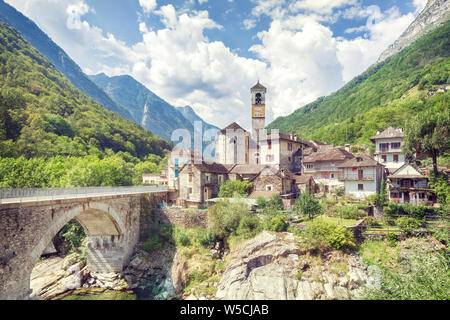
(349, 211)
(307, 205)
(371, 222)
(419, 212)
(277, 223)
(261, 202)
(339, 191)
(154, 242)
(248, 227)
(182, 238)
(232, 187)
(274, 203)
(323, 235)
(206, 239)
(408, 225)
(442, 233)
(392, 239)
(225, 217)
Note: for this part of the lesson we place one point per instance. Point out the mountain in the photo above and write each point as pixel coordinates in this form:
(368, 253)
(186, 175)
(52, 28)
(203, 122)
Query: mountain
(434, 15)
(42, 114)
(387, 94)
(147, 108)
(38, 39)
(190, 114)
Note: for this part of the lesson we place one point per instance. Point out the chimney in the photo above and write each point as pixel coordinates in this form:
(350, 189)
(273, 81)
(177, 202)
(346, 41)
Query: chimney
(378, 132)
(347, 147)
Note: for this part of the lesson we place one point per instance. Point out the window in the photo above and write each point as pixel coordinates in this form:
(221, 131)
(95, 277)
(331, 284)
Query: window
(395, 145)
(421, 195)
(190, 190)
(289, 159)
(176, 162)
(269, 187)
(384, 147)
(395, 157)
(269, 157)
(269, 144)
(360, 187)
(383, 157)
(207, 177)
(360, 174)
(290, 146)
(176, 173)
(332, 176)
(190, 177)
(309, 166)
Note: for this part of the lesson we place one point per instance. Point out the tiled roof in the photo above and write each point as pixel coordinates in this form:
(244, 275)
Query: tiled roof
(390, 132)
(285, 136)
(328, 153)
(360, 161)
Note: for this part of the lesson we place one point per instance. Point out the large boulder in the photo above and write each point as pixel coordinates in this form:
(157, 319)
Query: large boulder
(271, 267)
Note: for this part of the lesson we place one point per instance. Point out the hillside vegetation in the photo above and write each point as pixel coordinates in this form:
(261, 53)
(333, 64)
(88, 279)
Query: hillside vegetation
(385, 95)
(42, 115)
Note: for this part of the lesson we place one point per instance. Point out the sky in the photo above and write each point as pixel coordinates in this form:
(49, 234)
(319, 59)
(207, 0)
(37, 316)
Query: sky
(209, 53)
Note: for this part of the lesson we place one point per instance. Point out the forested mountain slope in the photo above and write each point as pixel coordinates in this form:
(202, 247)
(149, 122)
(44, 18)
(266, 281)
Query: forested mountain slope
(387, 94)
(42, 114)
(37, 38)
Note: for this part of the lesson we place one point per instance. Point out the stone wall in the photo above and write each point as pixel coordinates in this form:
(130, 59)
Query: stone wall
(178, 217)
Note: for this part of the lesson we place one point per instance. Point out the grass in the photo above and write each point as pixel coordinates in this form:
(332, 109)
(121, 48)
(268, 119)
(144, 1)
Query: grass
(378, 252)
(339, 221)
(97, 294)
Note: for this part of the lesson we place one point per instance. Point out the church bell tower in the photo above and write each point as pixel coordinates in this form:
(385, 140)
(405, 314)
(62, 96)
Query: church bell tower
(258, 93)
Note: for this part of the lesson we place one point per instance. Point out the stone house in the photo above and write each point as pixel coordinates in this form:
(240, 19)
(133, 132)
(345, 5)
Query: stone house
(323, 165)
(200, 182)
(362, 176)
(305, 184)
(155, 179)
(272, 180)
(407, 185)
(388, 148)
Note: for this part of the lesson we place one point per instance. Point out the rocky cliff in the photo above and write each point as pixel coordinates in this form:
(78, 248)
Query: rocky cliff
(434, 15)
(271, 267)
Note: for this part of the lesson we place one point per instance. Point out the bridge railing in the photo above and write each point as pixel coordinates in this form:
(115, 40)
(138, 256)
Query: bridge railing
(81, 192)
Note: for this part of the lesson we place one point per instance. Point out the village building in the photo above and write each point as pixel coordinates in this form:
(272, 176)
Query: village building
(157, 179)
(362, 176)
(305, 184)
(388, 148)
(323, 166)
(200, 182)
(408, 185)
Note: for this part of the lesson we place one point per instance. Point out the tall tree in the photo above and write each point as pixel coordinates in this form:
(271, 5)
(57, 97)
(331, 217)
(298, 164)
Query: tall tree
(427, 133)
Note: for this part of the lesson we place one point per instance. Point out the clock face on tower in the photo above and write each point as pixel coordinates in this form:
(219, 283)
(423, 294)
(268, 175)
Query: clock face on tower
(258, 112)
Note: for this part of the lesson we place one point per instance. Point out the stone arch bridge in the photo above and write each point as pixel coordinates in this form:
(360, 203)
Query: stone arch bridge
(30, 219)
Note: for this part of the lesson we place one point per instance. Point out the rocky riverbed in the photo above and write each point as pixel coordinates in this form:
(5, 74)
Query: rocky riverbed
(268, 266)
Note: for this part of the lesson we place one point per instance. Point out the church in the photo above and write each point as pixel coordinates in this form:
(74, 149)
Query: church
(235, 145)
(269, 161)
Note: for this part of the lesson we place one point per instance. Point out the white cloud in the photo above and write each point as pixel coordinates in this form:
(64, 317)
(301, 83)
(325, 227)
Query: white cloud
(299, 57)
(249, 24)
(148, 5)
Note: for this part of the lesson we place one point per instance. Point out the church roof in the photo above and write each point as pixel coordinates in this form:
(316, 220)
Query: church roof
(259, 86)
(232, 126)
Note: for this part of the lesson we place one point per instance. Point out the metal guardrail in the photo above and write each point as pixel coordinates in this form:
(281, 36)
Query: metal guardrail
(27, 194)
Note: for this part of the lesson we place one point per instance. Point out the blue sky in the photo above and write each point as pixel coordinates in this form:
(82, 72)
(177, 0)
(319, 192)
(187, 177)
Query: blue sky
(208, 53)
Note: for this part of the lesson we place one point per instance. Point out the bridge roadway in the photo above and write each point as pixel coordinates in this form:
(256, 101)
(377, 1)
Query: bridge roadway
(30, 219)
(24, 195)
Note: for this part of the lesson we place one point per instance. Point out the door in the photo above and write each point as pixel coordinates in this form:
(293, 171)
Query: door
(406, 197)
(360, 174)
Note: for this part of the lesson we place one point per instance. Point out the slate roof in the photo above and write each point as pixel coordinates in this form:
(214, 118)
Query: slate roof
(360, 161)
(398, 173)
(232, 126)
(247, 169)
(328, 153)
(211, 167)
(302, 179)
(259, 86)
(390, 132)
